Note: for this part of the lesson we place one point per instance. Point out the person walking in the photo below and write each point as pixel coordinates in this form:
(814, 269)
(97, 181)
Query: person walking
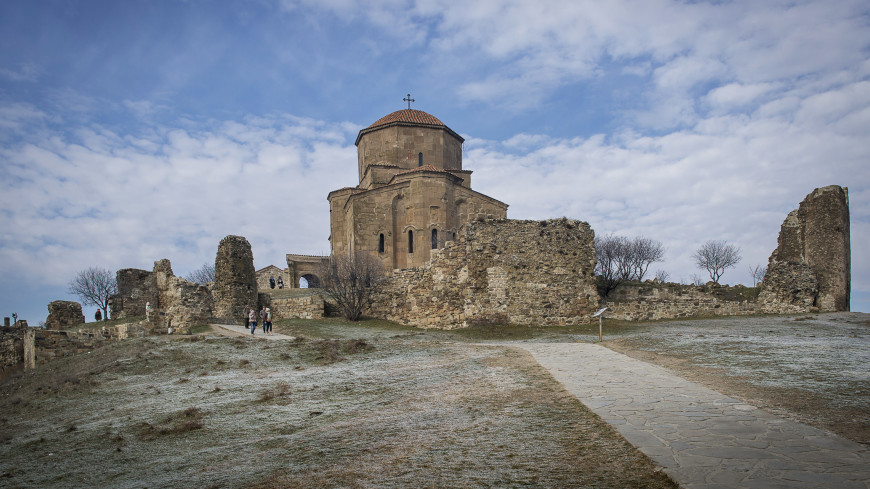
(263, 318)
(280, 283)
(267, 325)
(252, 319)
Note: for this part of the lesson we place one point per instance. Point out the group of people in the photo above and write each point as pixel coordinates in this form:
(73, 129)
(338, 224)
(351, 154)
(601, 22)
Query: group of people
(265, 318)
(272, 282)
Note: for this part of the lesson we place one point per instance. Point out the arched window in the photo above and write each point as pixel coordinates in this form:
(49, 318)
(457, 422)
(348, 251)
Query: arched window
(381, 243)
(410, 241)
(434, 239)
(419, 159)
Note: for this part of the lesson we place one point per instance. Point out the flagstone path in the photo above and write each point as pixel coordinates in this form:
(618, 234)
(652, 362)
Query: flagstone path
(702, 439)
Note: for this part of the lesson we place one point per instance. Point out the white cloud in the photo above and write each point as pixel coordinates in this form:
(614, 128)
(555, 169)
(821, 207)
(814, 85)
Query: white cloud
(101, 198)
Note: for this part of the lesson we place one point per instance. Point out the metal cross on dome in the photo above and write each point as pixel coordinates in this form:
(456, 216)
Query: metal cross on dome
(409, 100)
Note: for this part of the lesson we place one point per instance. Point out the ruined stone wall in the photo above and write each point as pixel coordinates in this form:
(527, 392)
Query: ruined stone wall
(499, 271)
(11, 348)
(811, 267)
(180, 304)
(235, 285)
(652, 301)
(306, 307)
(135, 288)
(64, 315)
(24, 347)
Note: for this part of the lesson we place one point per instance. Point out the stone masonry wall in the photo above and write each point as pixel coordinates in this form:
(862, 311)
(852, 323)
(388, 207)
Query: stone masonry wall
(811, 266)
(235, 286)
(500, 271)
(11, 348)
(180, 304)
(652, 301)
(135, 288)
(64, 315)
(307, 307)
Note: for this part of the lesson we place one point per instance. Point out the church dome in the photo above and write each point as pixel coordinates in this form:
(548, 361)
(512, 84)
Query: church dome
(407, 117)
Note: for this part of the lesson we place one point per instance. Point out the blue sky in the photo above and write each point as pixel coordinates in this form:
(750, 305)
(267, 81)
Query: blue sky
(139, 130)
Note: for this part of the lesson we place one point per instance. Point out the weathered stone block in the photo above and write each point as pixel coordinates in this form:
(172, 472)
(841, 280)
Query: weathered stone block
(64, 315)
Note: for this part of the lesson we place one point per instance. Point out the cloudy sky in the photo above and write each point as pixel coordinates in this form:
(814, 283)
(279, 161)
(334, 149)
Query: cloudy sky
(139, 130)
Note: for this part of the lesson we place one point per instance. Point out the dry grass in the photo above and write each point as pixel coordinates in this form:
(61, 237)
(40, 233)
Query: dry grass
(404, 412)
(188, 420)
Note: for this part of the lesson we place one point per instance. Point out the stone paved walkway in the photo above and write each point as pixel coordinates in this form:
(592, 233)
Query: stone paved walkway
(702, 439)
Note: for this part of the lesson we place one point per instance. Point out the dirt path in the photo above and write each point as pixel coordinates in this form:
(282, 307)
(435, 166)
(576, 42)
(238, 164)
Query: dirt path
(232, 330)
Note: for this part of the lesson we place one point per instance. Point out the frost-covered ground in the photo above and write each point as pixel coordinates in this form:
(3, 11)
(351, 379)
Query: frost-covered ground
(397, 409)
(374, 404)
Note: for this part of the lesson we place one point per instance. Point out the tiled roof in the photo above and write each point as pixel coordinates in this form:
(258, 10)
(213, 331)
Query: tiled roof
(422, 168)
(407, 115)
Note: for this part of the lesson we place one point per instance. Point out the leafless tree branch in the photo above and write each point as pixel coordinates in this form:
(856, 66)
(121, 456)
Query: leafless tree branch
(94, 286)
(716, 256)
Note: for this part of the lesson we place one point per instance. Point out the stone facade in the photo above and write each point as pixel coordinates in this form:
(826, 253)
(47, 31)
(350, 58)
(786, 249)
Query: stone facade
(307, 267)
(64, 315)
(501, 271)
(811, 266)
(235, 285)
(265, 273)
(413, 194)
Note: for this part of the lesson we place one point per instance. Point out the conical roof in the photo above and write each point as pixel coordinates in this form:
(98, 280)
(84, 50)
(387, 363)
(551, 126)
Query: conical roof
(407, 117)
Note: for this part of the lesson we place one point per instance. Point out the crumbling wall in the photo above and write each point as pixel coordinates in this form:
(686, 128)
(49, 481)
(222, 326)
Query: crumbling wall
(180, 304)
(135, 289)
(811, 267)
(11, 348)
(500, 271)
(235, 285)
(64, 315)
(652, 300)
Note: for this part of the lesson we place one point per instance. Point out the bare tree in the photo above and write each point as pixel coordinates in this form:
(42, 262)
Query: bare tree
(94, 286)
(619, 259)
(642, 253)
(612, 265)
(757, 272)
(351, 281)
(202, 275)
(716, 256)
(662, 276)
(697, 280)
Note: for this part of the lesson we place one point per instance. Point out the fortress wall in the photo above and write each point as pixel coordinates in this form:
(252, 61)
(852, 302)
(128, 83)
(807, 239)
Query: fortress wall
(652, 301)
(499, 271)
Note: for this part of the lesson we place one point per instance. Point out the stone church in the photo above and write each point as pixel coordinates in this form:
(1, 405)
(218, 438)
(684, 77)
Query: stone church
(413, 195)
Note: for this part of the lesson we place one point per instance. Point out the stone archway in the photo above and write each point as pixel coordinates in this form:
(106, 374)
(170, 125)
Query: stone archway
(312, 281)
